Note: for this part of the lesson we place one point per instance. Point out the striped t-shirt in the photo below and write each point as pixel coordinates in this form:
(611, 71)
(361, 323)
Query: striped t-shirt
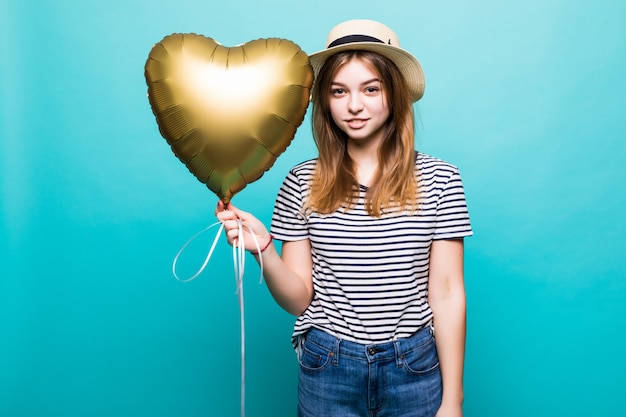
(370, 274)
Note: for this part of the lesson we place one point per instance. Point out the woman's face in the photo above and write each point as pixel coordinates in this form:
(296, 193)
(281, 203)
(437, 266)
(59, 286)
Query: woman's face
(357, 102)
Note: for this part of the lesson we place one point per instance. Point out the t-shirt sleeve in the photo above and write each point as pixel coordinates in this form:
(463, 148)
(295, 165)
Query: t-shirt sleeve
(289, 222)
(453, 220)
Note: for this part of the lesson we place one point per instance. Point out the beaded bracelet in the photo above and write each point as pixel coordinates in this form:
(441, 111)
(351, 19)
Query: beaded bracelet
(264, 247)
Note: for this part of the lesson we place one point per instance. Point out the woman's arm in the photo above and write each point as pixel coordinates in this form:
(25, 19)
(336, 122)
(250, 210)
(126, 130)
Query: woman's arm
(446, 296)
(289, 278)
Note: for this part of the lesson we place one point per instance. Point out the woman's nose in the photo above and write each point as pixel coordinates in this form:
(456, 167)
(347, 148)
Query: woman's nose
(355, 104)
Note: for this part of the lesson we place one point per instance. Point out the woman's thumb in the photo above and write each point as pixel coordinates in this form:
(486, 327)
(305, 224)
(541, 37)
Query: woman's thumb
(239, 213)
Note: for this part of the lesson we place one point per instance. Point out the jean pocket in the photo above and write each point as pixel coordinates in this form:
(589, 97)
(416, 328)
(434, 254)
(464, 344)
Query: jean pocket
(314, 357)
(422, 360)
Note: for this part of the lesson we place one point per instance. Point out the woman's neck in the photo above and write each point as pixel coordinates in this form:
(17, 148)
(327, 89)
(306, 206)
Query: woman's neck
(365, 160)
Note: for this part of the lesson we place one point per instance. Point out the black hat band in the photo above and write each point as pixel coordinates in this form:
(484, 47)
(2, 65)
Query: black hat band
(353, 39)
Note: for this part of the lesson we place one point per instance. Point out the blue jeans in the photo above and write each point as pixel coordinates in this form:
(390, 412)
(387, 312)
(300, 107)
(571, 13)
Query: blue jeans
(338, 378)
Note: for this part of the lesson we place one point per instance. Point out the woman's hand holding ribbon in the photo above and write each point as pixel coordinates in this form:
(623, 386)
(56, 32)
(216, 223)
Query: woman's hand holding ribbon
(254, 233)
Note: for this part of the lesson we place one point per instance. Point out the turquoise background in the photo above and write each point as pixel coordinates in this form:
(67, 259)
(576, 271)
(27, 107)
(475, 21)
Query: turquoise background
(526, 97)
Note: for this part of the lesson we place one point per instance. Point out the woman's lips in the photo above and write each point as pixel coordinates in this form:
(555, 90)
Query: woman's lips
(356, 123)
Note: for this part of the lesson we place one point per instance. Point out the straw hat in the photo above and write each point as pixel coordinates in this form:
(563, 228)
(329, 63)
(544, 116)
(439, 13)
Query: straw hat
(369, 35)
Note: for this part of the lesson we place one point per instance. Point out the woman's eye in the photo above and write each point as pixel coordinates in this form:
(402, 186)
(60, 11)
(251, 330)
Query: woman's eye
(337, 91)
(372, 89)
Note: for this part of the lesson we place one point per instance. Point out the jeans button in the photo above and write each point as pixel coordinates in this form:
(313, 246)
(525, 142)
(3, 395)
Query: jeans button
(372, 351)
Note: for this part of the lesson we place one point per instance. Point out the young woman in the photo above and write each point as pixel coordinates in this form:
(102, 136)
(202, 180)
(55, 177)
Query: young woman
(372, 253)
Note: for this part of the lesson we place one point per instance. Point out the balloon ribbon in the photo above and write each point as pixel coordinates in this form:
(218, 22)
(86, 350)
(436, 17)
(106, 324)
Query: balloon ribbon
(239, 259)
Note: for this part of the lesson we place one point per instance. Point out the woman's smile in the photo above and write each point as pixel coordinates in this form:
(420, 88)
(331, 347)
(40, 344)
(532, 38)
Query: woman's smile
(356, 123)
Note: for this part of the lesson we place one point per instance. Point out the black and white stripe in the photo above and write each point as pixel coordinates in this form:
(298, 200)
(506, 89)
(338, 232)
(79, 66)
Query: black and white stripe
(371, 274)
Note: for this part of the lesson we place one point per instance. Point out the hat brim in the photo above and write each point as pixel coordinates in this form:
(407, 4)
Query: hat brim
(408, 65)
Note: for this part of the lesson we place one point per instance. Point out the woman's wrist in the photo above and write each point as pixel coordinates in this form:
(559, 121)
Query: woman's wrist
(267, 245)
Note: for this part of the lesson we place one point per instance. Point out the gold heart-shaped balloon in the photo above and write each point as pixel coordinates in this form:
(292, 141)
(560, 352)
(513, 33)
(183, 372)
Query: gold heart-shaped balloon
(228, 113)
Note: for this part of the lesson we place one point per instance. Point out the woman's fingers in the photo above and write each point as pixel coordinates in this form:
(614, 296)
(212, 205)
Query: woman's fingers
(238, 213)
(225, 215)
(235, 221)
(232, 234)
(221, 207)
(231, 213)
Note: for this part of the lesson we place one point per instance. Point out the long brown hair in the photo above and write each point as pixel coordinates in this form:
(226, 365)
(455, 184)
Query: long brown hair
(334, 182)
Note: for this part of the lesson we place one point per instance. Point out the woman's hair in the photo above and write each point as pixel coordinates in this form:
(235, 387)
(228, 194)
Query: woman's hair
(334, 182)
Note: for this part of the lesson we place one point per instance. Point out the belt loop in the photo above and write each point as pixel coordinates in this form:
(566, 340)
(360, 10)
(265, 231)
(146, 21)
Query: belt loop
(398, 350)
(336, 351)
